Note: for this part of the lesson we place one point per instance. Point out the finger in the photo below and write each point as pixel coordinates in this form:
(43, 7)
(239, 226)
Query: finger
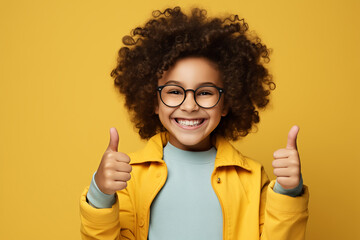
(122, 157)
(281, 153)
(114, 140)
(280, 163)
(282, 172)
(286, 163)
(288, 182)
(285, 182)
(292, 136)
(116, 156)
(116, 186)
(123, 167)
(121, 176)
(284, 153)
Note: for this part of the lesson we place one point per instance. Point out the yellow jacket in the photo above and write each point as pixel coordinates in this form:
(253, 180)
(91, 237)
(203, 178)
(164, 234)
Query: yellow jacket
(250, 208)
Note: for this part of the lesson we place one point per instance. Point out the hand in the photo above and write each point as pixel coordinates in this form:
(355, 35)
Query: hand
(114, 169)
(286, 165)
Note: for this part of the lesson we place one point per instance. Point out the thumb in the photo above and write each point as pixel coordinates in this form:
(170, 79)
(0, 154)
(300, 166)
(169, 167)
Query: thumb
(114, 140)
(292, 136)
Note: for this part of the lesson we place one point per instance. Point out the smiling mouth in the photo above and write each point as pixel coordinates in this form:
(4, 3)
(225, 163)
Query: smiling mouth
(189, 122)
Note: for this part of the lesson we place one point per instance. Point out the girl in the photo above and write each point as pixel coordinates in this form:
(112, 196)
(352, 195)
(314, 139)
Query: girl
(191, 84)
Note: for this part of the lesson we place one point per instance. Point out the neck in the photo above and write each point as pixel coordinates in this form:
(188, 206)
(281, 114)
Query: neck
(203, 145)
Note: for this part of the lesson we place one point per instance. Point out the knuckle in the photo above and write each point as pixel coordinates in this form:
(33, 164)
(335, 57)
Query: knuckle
(293, 162)
(296, 172)
(123, 185)
(108, 154)
(293, 182)
(281, 181)
(126, 158)
(108, 165)
(108, 174)
(124, 167)
(293, 172)
(128, 176)
(293, 153)
(276, 153)
(297, 163)
(274, 163)
(122, 157)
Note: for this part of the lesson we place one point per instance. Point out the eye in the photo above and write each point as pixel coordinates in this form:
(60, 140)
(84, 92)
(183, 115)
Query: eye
(205, 93)
(175, 92)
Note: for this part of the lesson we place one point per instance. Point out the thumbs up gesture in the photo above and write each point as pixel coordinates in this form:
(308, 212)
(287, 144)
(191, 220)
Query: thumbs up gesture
(114, 169)
(286, 165)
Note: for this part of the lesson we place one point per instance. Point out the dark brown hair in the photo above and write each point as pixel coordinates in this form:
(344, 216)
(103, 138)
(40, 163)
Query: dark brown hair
(170, 35)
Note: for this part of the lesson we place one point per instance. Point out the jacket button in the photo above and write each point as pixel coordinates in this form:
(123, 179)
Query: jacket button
(218, 180)
(141, 222)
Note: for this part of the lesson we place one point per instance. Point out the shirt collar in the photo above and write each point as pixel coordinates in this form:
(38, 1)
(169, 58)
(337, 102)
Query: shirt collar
(226, 155)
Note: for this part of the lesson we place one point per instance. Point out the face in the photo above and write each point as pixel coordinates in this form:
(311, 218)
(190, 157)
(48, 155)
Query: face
(189, 125)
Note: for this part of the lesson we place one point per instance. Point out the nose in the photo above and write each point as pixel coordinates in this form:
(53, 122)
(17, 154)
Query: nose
(189, 104)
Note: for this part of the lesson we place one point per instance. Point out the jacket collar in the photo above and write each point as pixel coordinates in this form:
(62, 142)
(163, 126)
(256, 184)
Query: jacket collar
(226, 155)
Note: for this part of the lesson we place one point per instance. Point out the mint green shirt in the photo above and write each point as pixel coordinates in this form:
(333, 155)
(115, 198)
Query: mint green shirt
(187, 206)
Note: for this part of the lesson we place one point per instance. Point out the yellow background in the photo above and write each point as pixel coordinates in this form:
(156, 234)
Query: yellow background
(57, 104)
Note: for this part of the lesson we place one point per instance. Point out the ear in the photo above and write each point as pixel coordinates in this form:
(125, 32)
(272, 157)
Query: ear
(156, 106)
(225, 110)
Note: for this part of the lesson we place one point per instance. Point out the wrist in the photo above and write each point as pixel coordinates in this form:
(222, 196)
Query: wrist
(97, 198)
(293, 192)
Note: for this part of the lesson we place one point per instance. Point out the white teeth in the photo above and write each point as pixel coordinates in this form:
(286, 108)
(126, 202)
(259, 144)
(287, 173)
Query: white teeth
(190, 123)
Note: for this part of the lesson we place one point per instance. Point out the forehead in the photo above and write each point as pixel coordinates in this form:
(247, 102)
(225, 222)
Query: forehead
(191, 72)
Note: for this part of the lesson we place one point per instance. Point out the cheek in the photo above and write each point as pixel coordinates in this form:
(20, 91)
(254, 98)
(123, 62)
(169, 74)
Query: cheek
(162, 111)
(216, 114)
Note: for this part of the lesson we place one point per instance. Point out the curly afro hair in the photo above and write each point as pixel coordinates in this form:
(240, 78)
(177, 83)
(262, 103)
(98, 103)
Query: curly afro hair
(171, 35)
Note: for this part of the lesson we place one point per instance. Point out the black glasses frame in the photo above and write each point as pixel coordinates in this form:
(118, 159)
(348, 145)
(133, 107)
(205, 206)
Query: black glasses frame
(160, 88)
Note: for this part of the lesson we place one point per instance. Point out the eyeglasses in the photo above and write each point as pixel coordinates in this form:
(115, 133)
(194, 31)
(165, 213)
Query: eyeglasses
(204, 96)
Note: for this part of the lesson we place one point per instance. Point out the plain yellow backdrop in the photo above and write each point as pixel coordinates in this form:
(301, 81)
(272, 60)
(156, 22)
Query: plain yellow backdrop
(57, 104)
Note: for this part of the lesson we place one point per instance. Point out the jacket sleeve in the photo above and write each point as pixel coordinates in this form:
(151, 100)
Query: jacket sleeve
(283, 217)
(105, 223)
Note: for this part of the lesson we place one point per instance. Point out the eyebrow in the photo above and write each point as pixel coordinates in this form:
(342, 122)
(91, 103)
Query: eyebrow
(179, 83)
